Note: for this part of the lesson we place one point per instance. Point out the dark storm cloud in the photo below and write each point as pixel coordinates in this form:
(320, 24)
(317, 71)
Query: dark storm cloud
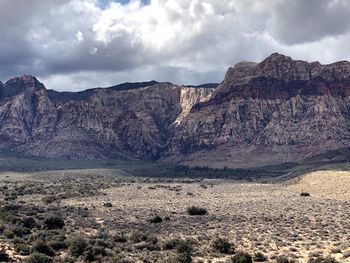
(54, 37)
(77, 44)
(300, 21)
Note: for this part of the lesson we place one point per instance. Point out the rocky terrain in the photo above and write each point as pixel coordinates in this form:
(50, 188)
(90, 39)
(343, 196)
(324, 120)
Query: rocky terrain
(278, 111)
(96, 216)
(132, 120)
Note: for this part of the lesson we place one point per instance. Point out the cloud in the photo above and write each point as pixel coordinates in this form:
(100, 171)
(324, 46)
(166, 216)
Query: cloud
(79, 44)
(300, 21)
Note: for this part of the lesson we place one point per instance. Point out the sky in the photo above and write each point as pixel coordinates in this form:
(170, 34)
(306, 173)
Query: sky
(78, 44)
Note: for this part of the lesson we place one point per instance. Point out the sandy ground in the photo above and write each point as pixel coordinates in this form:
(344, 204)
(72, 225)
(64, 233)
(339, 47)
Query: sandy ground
(269, 218)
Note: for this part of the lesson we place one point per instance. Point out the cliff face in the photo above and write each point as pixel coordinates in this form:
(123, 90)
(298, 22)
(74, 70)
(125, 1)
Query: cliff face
(280, 110)
(132, 120)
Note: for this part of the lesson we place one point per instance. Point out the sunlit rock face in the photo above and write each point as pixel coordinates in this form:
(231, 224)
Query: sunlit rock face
(132, 120)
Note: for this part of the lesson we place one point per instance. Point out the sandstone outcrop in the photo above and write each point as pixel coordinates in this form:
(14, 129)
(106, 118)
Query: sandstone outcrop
(277, 111)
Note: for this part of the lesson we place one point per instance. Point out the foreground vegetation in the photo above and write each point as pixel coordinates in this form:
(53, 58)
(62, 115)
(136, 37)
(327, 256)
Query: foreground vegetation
(94, 217)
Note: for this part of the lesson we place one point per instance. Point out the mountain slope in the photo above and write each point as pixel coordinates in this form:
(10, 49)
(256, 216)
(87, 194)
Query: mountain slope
(132, 120)
(277, 111)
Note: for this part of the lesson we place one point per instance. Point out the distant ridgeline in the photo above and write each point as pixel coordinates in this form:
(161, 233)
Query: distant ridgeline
(278, 111)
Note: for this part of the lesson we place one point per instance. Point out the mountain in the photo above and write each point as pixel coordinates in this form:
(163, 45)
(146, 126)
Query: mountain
(278, 111)
(131, 120)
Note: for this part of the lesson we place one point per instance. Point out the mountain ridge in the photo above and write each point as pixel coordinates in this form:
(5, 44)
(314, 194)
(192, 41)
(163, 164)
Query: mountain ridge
(277, 111)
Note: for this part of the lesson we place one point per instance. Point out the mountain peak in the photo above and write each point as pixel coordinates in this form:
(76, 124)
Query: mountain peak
(276, 55)
(24, 78)
(17, 85)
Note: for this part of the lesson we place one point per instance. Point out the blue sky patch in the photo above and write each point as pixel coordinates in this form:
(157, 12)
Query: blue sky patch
(104, 3)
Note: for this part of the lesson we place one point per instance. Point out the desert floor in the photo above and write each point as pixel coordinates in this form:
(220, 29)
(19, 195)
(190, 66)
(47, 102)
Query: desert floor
(271, 218)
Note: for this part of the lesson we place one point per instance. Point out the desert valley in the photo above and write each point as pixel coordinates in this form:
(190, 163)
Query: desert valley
(175, 131)
(253, 170)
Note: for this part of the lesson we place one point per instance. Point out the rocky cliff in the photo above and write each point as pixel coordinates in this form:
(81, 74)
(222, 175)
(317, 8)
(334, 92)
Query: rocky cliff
(278, 111)
(131, 120)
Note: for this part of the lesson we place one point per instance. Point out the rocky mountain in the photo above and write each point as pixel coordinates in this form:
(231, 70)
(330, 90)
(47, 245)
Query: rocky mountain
(278, 111)
(131, 120)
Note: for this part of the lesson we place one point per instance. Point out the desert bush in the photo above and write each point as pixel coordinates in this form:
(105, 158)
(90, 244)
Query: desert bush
(283, 259)
(21, 231)
(8, 233)
(120, 238)
(196, 211)
(179, 258)
(49, 199)
(222, 245)
(304, 194)
(39, 258)
(138, 237)
(152, 243)
(53, 222)
(322, 260)
(242, 257)
(57, 243)
(171, 244)
(22, 249)
(4, 257)
(29, 222)
(259, 257)
(184, 247)
(92, 253)
(42, 248)
(77, 246)
(156, 219)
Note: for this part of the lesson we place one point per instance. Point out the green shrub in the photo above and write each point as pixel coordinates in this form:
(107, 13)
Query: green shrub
(138, 237)
(259, 257)
(222, 245)
(283, 259)
(53, 222)
(42, 248)
(196, 211)
(77, 246)
(92, 253)
(184, 247)
(39, 258)
(156, 219)
(4, 257)
(171, 244)
(322, 260)
(21, 231)
(29, 222)
(8, 233)
(22, 249)
(179, 258)
(120, 238)
(242, 257)
(57, 244)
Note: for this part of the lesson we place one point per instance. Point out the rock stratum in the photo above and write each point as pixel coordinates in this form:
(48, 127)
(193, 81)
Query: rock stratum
(278, 111)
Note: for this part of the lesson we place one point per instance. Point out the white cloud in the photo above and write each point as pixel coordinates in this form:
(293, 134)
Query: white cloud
(79, 36)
